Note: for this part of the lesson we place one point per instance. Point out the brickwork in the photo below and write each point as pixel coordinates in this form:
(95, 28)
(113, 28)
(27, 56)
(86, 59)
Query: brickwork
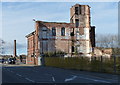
(78, 35)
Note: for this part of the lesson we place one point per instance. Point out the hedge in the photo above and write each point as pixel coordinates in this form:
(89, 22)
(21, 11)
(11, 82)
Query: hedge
(80, 63)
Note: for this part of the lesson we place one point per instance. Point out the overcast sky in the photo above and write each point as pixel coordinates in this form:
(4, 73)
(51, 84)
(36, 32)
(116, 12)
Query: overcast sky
(17, 18)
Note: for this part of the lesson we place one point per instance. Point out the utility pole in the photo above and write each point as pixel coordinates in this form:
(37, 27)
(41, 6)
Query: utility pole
(101, 64)
(114, 64)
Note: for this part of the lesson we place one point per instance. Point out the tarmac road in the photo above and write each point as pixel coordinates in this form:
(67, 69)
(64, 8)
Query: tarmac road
(37, 74)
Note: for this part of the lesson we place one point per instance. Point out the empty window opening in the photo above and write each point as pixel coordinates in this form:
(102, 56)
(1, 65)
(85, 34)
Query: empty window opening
(44, 29)
(77, 22)
(62, 31)
(53, 31)
(72, 33)
(73, 49)
(80, 9)
(76, 10)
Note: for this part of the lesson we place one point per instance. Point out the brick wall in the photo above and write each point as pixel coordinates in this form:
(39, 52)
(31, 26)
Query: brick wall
(83, 36)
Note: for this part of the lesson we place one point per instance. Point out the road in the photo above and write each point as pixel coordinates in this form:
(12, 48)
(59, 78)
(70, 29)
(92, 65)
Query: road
(37, 74)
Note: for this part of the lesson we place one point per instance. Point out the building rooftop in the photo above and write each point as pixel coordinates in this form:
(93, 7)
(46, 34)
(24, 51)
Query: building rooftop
(81, 5)
(32, 33)
(53, 22)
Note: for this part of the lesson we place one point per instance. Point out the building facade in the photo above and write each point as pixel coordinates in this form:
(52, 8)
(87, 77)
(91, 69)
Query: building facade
(76, 36)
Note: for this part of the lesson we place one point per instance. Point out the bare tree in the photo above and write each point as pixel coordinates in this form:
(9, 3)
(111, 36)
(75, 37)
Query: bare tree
(2, 42)
(107, 40)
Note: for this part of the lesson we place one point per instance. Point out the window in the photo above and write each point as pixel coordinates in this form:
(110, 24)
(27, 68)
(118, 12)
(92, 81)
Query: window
(76, 10)
(28, 44)
(31, 44)
(44, 29)
(77, 22)
(62, 31)
(80, 9)
(73, 50)
(44, 32)
(53, 31)
(72, 33)
(71, 20)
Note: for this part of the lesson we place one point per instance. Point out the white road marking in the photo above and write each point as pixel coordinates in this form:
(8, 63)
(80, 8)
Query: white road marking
(70, 79)
(29, 80)
(11, 71)
(7, 69)
(43, 82)
(102, 81)
(19, 75)
(53, 78)
(34, 71)
(94, 79)
(48, 74)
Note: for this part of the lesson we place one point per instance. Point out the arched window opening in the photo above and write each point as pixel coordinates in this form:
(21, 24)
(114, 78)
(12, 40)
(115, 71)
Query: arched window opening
(53, 31)
(62, 31)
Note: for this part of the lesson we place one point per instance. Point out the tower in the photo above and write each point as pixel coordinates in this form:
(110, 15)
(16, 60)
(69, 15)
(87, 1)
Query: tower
(80, 16)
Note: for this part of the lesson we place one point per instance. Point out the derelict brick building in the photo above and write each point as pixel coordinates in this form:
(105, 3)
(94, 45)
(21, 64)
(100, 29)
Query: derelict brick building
(76, 36)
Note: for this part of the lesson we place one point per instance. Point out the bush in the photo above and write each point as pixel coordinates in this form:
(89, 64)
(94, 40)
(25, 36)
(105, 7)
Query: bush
(70, 62)
(108, 66)
(54, 54)
(80, 63)
(95, 65)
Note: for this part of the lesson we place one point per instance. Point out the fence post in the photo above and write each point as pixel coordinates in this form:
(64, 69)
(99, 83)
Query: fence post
(114, 64)
(43, 61)
(101, 59)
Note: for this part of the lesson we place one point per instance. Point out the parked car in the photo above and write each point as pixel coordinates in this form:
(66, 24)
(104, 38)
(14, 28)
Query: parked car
(11, 60)
(2, 60)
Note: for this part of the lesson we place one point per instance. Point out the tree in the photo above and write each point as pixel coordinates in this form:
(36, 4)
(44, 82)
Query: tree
(107, 40)
(2, 42)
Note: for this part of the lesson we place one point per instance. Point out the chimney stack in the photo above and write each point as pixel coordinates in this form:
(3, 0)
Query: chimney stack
(14, 48)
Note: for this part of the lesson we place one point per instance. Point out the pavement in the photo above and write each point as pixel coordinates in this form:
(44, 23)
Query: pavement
(48, 75)
(8, 65)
